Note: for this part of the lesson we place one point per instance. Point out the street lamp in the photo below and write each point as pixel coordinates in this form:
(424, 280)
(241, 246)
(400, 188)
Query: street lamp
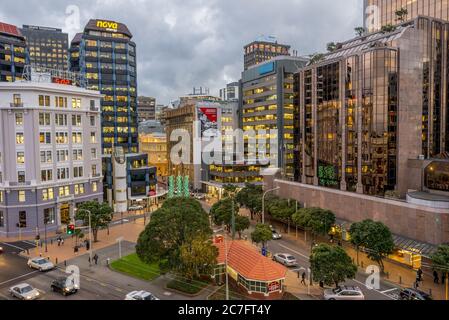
(263, 202)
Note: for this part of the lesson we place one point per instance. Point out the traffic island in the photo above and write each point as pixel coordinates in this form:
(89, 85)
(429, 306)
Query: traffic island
(132, 266)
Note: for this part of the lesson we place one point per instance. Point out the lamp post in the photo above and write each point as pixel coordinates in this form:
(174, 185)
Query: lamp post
(263, 202)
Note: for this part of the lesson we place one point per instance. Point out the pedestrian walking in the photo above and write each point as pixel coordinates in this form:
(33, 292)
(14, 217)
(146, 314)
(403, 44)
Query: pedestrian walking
(436, 278)
(59, 241)
(419, 274)
(75, 249)
(416, 285)
(62, 242)
(96, 259)
(303, 281)
(90, 261)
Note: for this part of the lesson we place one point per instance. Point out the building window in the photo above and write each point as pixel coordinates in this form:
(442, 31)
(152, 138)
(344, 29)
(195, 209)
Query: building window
(2, 219)
(63, 173)
(21, 177)
(77, 155)
(19, 119)
(48, 194)
(44, 101)
(93, 137)
(20, 138)
(45, 138)
(79, 189)
(64, 191)
(49, 216)
(77, 138)
(76, 121)
(62, 155)
(44, 119)
(22, 196)
(94, 171)
(61, 102)
(92, 121)
(76, 103)
(46, 175)
(62, 138)
(22, 219)
(20, 157)
(17, 99)
(61, 120)
(78, 172)
(94, 187)
(93, 153)
(46, 157)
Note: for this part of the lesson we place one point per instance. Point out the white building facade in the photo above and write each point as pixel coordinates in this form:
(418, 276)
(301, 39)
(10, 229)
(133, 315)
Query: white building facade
(50, 155)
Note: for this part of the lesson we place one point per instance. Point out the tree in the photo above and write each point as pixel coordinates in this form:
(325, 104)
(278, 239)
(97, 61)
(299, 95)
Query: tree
(331, 46)
(221, 212)
(198, 257)
(440, 262)
(282, 209)
(401, 14)
(178, 222)
(375, 237)
(331, 265)
(315, 58)
(250, 197)
(388, 28)
(360, 31)
(241, 224)
(317, 221)
(262, 234)
(101, 216)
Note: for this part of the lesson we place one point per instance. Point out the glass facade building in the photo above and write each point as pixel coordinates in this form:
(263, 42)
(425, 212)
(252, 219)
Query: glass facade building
(106, 54)
(258, 52)
(357, 131)
(48, 47)
(13, 53)
(385, 14)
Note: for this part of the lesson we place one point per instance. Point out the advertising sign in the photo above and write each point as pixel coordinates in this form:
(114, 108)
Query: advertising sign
(274, 286)
(209, 122)
(107, 25)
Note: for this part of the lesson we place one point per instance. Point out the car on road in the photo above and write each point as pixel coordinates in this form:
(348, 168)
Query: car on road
(24, 292)
(1, 250)
(64, 286)
(40, 264)
(276, 235)
(200, 196)
(140, 296)
(413, 294)
(135, 208)
(286, 259)
(344, 293)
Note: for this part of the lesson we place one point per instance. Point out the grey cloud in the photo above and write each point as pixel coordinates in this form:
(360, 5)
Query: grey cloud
(187, 43)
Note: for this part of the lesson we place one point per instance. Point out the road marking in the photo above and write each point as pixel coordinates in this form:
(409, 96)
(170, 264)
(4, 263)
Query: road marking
(13, 246)
(23, 276)
(119, 290)
(391, 290)
(363, 284)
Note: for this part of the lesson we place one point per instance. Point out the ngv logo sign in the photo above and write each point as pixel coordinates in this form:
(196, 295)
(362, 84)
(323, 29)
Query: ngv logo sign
(107, 25)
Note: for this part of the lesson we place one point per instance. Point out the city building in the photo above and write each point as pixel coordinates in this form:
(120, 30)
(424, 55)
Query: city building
(380, 13)
(262, 50)
(13, 53)
(50, 153)
(160, 109)
(48, 47)
(105, 53)
(155, 145)
(151, 126)
(231, 92)
(267, 96)
(146, 108)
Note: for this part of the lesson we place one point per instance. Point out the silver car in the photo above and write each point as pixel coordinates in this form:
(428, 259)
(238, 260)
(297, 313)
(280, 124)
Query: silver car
(286, 259)
(24, 292)
(40, 264)
(140, 296)
(344, 293)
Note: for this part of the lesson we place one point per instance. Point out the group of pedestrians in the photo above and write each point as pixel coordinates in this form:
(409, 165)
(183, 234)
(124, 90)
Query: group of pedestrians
(436, 278)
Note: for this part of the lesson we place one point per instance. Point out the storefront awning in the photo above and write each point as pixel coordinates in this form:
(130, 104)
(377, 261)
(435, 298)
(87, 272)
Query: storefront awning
(413, 246)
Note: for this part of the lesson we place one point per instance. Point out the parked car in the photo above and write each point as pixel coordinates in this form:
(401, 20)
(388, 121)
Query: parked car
(135, 208)
(286, 259)
(200, 196)
(1, 250)
(24, 292)
(413, 294)
(140, 296)
(344, 293)
(64, 286)
(40, 264)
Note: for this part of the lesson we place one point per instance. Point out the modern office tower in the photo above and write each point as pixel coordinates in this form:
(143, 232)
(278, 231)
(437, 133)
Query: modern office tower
(146, 107)
(155, 145)
(105, 53)
(267, 103)
(48, 47)
(231, 92)
(263, 50)
(13, 53)
(385, 12)
(375, 118)
(50, 153)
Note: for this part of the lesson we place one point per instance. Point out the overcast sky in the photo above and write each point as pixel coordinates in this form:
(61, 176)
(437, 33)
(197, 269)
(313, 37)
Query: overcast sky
(186, 43)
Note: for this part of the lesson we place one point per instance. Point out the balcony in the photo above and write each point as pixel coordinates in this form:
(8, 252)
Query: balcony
(17, 104)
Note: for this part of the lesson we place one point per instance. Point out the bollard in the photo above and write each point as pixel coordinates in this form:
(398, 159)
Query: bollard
(28, 251)
(56, 260)
(400, 280)
(65, 263)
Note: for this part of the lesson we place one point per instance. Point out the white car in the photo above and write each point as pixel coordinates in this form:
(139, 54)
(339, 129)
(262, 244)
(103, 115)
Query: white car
(140, 296)
(286, 259)
(24, 292)
(40, 264)
(135, 208)
(344, 293)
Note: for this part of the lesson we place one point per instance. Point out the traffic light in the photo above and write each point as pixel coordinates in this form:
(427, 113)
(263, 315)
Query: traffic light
(70, 229)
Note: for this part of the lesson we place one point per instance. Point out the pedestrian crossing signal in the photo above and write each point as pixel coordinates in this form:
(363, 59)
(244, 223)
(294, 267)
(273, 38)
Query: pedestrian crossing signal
(71, 229)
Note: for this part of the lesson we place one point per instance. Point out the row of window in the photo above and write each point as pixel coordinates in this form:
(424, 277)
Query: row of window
(60, 138)
(60, 120)
(49, 218)
(61, 174)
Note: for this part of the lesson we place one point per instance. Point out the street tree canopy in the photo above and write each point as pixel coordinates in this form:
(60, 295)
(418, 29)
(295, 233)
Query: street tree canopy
(375, 237)
(177, 223)
(281, 209)
(331, 265)
(316, 220)
(250, 197)
(440, 259)
(197, 258)
(101, 216)
(262, 234)
(221, 212)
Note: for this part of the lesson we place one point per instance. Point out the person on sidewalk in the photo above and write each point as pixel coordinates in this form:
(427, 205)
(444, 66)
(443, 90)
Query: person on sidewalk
(436, 278)
(96, 259)
(59, 241)
(303, 281)
(419, 274)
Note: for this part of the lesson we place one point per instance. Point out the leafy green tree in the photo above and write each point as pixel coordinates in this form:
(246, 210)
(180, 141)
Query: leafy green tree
(178, 222)
(331, 264)
(250, 197)
(241, 224)
(331, 46)
(388, 28)
(197, 257)
(440, 260)
(221, 212)
(262, 234)
(315, 58)
(375, 237)
(360, 31)
(317, 221)
(282, 209)
(401, 14)
(101, 216)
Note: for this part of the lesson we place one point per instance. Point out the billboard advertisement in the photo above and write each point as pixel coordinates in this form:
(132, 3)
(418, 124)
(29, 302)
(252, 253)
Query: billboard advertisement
(208, 117)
